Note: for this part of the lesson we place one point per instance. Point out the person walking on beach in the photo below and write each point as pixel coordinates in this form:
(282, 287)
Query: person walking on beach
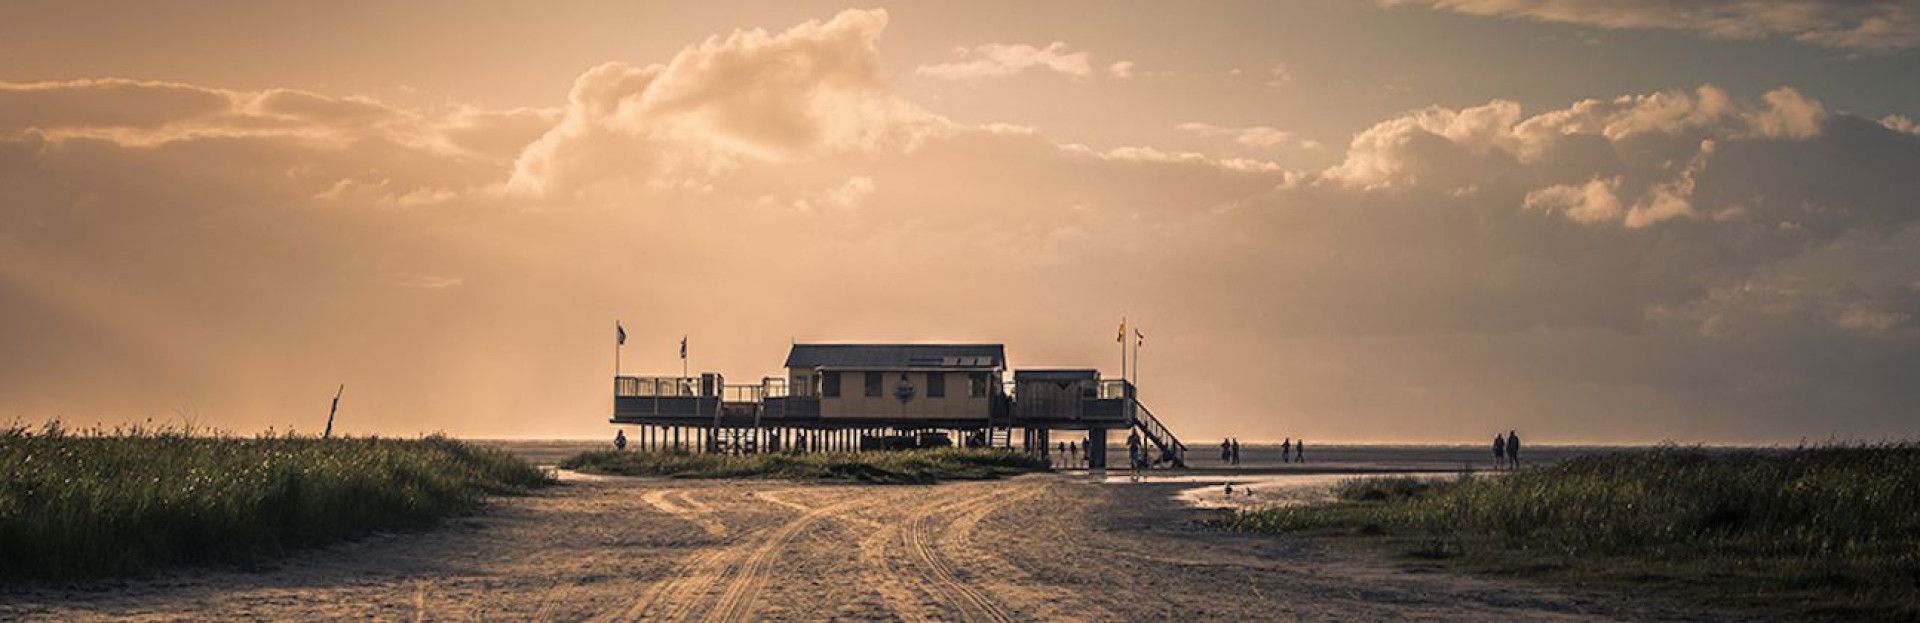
(1513, 449)
(1133, 453)
(1499, 452)
(1073, 454)
(1236, 452)
(620, 440)
(1300, 451)
(1226, 450)
(1286, 449)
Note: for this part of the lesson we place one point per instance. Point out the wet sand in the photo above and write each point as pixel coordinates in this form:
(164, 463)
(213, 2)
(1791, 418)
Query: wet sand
(1039, 547)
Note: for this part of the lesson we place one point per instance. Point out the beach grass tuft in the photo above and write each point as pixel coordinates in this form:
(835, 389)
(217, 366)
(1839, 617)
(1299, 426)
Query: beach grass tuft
(101, 503)
(1823, 531)
(893, 467)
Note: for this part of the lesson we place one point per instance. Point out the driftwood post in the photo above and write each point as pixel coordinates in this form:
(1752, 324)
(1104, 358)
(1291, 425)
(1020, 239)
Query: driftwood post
(331, 411)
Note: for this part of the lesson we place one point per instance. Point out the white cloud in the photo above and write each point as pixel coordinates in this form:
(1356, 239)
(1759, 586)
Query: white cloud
(846, 196)
(1121, 69)
(1855, 25)
(998, 60)
(1414, 147)
(808, 92)
(1592, 202)
(1251, 136)
(1279, 75)
(1898, 123)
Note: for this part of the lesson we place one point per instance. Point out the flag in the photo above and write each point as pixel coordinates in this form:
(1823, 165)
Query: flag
(1122, 337)
(1139, 336)
(619, 334)
(683, 347)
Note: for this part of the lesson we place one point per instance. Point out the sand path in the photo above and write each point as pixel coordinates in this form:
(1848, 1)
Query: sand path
(1040, 547)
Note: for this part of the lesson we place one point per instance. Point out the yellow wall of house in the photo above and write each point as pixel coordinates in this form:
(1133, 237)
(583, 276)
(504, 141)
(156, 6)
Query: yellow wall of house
(853, 401)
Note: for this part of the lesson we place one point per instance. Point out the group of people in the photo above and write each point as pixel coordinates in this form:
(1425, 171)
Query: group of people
(1291, 451)
(1298, 449)
(1506, 451)
(1068, 451)
(1230, 451)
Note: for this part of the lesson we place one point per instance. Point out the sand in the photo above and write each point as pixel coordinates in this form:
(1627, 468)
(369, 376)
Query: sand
(1041, 547)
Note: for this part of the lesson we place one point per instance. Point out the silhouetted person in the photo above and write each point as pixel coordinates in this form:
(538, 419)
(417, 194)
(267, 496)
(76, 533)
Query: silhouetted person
(1133, 453)
(1300, 451)
(1226, 450)
(1499, 452)
(1513, 449)
(620, 440)
(1073, 453)
(1236, 451)
(1286, 449)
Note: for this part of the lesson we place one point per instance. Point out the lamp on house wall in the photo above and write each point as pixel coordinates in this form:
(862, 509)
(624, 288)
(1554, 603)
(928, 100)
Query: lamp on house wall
(903, 392)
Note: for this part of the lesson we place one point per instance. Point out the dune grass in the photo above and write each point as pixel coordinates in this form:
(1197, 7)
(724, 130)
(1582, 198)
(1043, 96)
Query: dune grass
(79, 506)
(1826, 531)
(902, 467)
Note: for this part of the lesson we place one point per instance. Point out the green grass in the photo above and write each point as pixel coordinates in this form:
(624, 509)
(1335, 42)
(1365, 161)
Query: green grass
(79, 506)
(1825, 531)
(905, 467)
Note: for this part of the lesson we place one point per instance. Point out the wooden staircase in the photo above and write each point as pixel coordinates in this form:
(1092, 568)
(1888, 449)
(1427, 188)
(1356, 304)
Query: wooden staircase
(1157, 433)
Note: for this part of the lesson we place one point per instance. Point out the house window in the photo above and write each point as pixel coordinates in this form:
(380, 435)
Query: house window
(977, 384)
(873, 384)
(830, 384)
(936, 385)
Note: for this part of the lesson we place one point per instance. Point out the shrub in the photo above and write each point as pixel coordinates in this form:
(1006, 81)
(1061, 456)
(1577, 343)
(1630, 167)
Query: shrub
(107, 503)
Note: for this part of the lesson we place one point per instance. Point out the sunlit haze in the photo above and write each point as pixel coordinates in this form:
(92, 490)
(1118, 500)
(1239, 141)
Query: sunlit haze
(1401, 221)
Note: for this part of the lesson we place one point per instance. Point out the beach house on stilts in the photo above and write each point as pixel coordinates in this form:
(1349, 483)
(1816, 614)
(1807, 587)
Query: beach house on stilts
(853, 397)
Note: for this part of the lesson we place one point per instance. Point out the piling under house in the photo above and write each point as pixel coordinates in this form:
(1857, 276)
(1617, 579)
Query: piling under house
(888, 396)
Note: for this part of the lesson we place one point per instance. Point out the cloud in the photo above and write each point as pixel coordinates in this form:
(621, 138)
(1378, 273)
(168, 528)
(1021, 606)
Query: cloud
(1898, 123)
(1852, 25)
(111, 103)
(804, 93)
(1121, 69)
(1251, 136)
(1436, 141)
(999, 60)
(1279, 75)
(1593, 202)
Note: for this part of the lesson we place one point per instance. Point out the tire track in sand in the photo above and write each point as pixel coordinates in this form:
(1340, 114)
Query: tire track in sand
(698, 569)
(943, 573)
(940, 579)
(1039, 600)
(752, 574)
(693, 510)
(741, 569)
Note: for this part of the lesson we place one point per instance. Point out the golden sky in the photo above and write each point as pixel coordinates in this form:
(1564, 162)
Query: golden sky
(1414, 220)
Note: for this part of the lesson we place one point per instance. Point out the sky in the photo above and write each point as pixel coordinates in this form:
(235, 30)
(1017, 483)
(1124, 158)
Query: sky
(1395, 221)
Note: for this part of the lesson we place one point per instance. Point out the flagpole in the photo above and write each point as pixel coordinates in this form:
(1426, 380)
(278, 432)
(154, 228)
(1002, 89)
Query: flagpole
(1137, 360)
(1123, 348)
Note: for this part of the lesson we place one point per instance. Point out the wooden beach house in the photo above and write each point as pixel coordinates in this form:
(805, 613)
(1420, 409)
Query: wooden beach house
(851, 396)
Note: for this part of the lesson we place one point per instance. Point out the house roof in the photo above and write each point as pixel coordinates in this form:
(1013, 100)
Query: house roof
(897, 356)
(1056, 375)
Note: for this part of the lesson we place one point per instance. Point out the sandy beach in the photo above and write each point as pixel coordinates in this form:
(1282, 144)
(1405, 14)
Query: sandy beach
(1039, 547)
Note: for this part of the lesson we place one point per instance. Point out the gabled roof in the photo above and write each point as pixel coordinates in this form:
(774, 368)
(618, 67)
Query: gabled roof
(897, 356)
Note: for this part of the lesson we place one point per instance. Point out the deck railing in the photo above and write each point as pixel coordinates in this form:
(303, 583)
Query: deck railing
(743, 393)
(655, 387)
